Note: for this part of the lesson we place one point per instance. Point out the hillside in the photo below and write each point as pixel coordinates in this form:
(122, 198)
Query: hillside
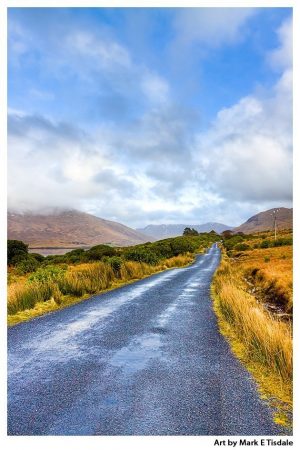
(265, 221)
(69, 229)
(172, 230)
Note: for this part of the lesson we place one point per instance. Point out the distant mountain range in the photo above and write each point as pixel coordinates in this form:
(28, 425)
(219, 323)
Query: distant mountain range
(259, 222)
(75, 229)
(172, 230)
(265, 221)
(70, 229)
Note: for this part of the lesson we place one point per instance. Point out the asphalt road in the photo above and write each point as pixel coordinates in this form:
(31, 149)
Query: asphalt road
(145, 359)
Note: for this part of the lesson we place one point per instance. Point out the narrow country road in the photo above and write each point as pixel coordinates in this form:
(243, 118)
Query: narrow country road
(145, 359)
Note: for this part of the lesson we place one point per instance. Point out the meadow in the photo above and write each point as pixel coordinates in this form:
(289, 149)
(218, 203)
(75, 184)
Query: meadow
(252, 295)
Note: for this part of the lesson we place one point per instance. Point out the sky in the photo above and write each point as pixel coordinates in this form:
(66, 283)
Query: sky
(150, 115)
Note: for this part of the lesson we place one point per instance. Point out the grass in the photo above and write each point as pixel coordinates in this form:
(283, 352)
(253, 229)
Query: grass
(28, 299)
(271, 271)
(259, 338)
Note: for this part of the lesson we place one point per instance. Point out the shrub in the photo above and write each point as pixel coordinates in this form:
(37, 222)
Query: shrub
(141, 255)
(227, 234)
(38, 257)
(116, 264)
(30, 264)
(190, 232)
(16, 251)
(74, 256)
(241, 247)
(232, 241)
(47, 274)
(265, 244)
(162, 248)
(54, 259)
(98, 251)
(283, 241)
(183, 245)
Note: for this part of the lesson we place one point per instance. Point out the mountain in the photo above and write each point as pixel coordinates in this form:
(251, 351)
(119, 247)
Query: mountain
(171, 230)
(265, 221)
(69, 229)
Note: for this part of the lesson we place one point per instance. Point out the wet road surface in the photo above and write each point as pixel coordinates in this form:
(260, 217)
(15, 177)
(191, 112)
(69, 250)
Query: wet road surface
(145, 359)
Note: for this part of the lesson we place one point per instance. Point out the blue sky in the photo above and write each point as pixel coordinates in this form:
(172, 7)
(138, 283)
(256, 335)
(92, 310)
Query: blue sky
(150, 115)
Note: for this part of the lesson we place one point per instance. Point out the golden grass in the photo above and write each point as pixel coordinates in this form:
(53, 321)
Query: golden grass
(271, 270)
(260, 340)
(26, 301)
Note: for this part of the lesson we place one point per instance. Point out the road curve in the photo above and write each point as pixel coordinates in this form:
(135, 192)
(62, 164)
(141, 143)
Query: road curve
(144, 359)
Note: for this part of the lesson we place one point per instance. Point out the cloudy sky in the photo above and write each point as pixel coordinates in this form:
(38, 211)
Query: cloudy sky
(150, 115)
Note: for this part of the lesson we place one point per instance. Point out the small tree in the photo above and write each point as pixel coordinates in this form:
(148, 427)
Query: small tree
(190, 232)
(227, 234)
(16, 251)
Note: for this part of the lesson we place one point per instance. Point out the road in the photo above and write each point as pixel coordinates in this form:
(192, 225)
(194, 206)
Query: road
(144, 359)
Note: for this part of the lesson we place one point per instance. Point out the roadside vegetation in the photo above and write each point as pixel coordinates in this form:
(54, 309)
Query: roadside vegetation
(252, 293)
(38, 284)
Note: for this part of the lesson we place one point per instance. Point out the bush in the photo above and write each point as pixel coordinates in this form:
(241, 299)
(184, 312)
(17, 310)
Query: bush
(141, 255)
(190, 232)
(183, 245)
(55, 259)
(30, 264)
(265, 244)
(241, 247)
(47, 274)
(75, 256)
(116, 264)
(16, 251)
(38, 257)
(162, 249)
(232, 241)
(99, 251)
(283, 241)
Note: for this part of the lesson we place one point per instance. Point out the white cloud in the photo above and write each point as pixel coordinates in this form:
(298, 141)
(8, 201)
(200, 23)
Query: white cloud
(249, 145)
(51, 165)
(212, 27)
(104, 52)
(155, 88)
(282, 57)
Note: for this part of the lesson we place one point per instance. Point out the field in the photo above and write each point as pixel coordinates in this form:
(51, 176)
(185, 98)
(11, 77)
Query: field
(252, 293)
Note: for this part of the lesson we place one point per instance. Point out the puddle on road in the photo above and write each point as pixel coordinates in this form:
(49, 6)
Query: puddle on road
(137, 354)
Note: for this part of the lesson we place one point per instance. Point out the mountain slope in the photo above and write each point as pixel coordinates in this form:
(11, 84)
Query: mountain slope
(69, 229)
(265, 221)
(171, 230)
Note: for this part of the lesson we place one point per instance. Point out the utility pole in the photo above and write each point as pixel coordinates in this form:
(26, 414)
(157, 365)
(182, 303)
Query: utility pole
(275, 211)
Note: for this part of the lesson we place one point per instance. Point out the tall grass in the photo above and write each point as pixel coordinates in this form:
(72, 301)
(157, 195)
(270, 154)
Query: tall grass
(266, 340)
(26, 297)
(83, 279)
(89, 279)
